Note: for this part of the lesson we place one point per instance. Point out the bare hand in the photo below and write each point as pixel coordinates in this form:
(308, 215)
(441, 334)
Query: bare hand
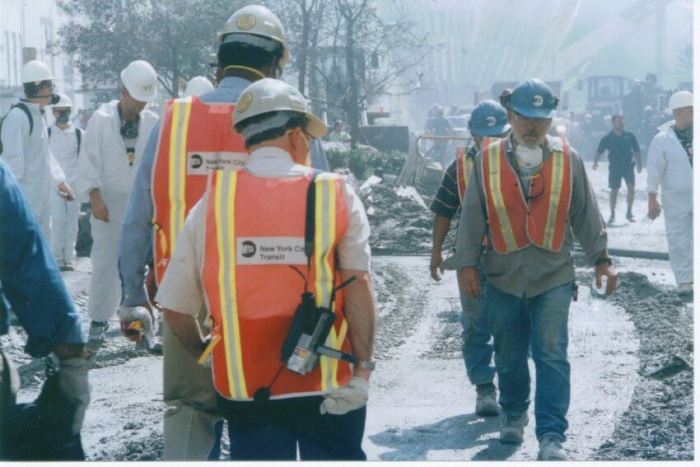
(99, 208)
(66, 192)
(608, 271)
(435, 266)
(654, 208)
(469, 282)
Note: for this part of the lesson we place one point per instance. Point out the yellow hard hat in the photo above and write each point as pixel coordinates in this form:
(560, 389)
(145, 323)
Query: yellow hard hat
(273, 95)
(255, 20)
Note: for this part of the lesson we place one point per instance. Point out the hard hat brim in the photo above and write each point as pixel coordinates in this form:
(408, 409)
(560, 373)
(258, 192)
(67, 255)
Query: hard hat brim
(315, 127)
(534, 113)
(492, 131)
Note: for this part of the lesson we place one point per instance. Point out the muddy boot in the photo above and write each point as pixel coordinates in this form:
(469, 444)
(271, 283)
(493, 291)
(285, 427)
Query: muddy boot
(486, 403)
(512, 427)
(550, 448)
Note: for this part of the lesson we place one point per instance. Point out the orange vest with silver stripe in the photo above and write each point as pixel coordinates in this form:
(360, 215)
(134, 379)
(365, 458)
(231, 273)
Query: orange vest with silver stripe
(252, 301)
(194, 139)
(515, 223)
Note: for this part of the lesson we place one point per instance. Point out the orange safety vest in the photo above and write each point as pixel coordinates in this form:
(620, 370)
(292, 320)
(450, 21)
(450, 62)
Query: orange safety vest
(515, 223)
(194, 139)
(253, 244)
(465, 165)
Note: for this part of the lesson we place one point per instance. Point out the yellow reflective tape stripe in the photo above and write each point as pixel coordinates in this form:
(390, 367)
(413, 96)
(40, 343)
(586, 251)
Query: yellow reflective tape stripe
(494, 155)
(554, 198)
(225, 217)
(325, 233)
(182, 109)
(467, 166)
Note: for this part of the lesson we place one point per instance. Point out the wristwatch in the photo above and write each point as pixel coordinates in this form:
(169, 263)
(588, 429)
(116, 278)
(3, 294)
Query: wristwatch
(366, 364)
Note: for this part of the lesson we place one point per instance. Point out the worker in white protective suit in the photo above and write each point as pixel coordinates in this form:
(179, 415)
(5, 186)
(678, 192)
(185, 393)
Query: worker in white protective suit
(115, 139)
(65, 141)
(25, 144)
(197, 86)
(670, 166)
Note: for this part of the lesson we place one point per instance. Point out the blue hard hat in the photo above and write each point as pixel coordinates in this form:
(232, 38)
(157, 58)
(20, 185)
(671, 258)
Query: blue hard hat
(534, 99)
(489, 118)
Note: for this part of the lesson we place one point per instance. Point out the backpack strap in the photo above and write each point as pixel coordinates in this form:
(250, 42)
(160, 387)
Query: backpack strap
(22, 106)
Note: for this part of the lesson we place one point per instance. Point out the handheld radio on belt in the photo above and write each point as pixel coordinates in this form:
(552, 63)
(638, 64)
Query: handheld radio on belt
(304, 343)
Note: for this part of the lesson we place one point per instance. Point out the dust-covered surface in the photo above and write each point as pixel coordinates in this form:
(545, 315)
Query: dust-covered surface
(422, 405)
(658, 425)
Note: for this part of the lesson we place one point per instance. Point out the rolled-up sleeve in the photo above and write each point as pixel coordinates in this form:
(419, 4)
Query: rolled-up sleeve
(15, 131)
(30, 277)
(181, 289)
(353, 249)
(656, 165)
(472, 226)
(89, 173)
(584, 214)
(135, 245)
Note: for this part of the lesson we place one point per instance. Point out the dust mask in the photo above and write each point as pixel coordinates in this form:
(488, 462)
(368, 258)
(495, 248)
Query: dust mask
(528, 157)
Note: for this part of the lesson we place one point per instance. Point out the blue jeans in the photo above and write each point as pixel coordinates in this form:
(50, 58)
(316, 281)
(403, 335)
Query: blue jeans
(539, 323)
(476, 347)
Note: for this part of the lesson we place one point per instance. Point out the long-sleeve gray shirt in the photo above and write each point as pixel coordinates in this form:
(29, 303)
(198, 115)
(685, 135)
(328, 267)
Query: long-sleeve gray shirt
(532, 270)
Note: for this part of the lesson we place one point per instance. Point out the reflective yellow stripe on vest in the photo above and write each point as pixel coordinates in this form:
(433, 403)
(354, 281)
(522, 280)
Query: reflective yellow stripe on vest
(325, 237)
(494, 169)
(556, 188)
(465, 166)
(225, 209)
(178, 165)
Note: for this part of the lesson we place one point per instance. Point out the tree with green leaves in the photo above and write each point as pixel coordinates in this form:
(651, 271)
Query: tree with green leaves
(175, 36)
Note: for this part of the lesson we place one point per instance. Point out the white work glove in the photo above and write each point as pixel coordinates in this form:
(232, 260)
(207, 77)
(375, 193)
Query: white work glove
(346, 399)
(130, 314)
(74, 384)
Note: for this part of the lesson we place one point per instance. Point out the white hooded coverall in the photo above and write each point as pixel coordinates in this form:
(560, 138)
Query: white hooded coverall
(103, 164)
(668, 167)
(64, 214)
(31, 161)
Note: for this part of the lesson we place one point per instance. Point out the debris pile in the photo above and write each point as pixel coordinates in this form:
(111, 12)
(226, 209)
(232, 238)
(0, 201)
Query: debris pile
(400, 220)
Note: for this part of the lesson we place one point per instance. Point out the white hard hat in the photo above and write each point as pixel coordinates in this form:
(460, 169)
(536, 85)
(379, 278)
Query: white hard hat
(680, 99)
(255, 20)
(197, 86)
(140, 79)
(272, 95)
(63, 101)
(35, 72)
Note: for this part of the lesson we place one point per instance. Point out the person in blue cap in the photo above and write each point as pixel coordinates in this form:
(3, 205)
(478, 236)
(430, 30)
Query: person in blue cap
(489, 119)
(529, 194)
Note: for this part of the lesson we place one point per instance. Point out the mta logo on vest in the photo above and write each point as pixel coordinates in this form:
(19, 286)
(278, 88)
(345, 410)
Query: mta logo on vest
(248, 249)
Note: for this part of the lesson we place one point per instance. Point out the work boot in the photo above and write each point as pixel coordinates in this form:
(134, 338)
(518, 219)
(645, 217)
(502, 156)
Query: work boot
(630, 217)
(98, 329)
(550, 448)
(486, 403)
(512, 427)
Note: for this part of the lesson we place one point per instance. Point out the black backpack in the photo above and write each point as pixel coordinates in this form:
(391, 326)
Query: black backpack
(22, 106)
(78, 136)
